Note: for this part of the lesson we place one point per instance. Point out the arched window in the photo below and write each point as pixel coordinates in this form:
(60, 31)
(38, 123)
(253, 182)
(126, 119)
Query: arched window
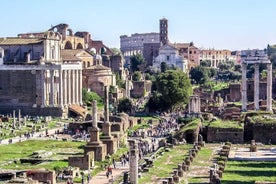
(68, 45)
(79, 46)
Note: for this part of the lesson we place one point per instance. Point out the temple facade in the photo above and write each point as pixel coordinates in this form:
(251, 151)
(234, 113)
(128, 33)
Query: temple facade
(33, 77)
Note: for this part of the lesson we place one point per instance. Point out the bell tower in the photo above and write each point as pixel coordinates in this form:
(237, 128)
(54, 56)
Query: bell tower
(163, 28)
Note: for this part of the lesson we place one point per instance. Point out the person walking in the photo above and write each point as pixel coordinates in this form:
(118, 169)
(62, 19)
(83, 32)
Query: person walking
(114, 163)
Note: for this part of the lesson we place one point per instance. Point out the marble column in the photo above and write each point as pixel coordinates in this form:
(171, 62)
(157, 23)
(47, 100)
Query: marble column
(43, 93)
(46, 88)
(244, 92)
(80, 86)
(73, 86)
(65, 90)
(52, 73)
(256, 86)
(69, 87)
(60, 89)
(269, 87)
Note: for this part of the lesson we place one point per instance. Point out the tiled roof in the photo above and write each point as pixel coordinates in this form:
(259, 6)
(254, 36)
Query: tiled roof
(70, 54)
(98, 67)
(19, 41)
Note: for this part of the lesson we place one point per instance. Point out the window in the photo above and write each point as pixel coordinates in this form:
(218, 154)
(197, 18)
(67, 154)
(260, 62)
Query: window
(53, 53)
(168, 58)
(0, 54)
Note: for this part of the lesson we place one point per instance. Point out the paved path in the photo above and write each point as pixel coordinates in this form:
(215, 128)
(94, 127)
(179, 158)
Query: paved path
(101, 178)
(35, 136)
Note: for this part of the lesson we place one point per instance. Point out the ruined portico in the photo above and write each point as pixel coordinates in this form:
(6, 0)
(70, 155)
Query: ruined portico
(194, 104)
(257, 59)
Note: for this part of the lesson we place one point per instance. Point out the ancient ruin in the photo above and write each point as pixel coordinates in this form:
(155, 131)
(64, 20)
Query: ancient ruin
(95, 145)
(256, 59)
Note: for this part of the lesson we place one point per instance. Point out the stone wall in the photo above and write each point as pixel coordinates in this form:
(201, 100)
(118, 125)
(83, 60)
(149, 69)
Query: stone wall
(235, 92)
(140, 88)
(43, 176)
(85, 162)
(17, 88)
(224, 135)
(260, 132)
(150, 52)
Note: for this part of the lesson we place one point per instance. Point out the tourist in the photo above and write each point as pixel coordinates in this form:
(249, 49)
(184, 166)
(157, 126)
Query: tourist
(109, 170)
(89, 178)
(114, 163)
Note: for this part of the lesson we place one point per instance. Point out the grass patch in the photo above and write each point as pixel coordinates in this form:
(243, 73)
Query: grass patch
(202, 162)
(249, 172)
(225, 124)
(13, 152)
(165, 164)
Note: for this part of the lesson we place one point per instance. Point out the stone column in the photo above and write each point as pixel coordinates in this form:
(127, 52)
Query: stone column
(106, 126)
(269, 88)
(43, 93)
(46, 88)
(13, 117)
(106, 105)
(94, 112)
(127, 88)
(65, 89)
(256, 86)
(52, 73)
(69, 87)
(77, 87)
(80, 86)
(244, 92)
(19, 115)
(73, 80)
(60, 88)
(133, 162)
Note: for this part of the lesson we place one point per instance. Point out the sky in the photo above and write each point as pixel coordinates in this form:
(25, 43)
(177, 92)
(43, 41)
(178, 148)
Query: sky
(218, 24)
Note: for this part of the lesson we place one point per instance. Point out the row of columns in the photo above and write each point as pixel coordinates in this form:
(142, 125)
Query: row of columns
(257, 87)
(61, 87)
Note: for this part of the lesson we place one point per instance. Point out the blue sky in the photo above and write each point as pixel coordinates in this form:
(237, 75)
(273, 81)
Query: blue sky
(219, 24)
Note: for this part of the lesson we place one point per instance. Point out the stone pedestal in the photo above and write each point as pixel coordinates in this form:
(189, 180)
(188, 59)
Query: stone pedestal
(95, 145)
(106, 130)
(180, 172)
(108, 139)
(111, 144)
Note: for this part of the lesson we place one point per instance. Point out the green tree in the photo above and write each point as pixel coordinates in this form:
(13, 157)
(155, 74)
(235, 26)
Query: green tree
(119, 81)
(116, 51)
(206, 63)
(89, 96)
(125, 105)
(164, 67)
(136, 62)
(199, 74)
(137, 76)
(148, 76)
(174, 87)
